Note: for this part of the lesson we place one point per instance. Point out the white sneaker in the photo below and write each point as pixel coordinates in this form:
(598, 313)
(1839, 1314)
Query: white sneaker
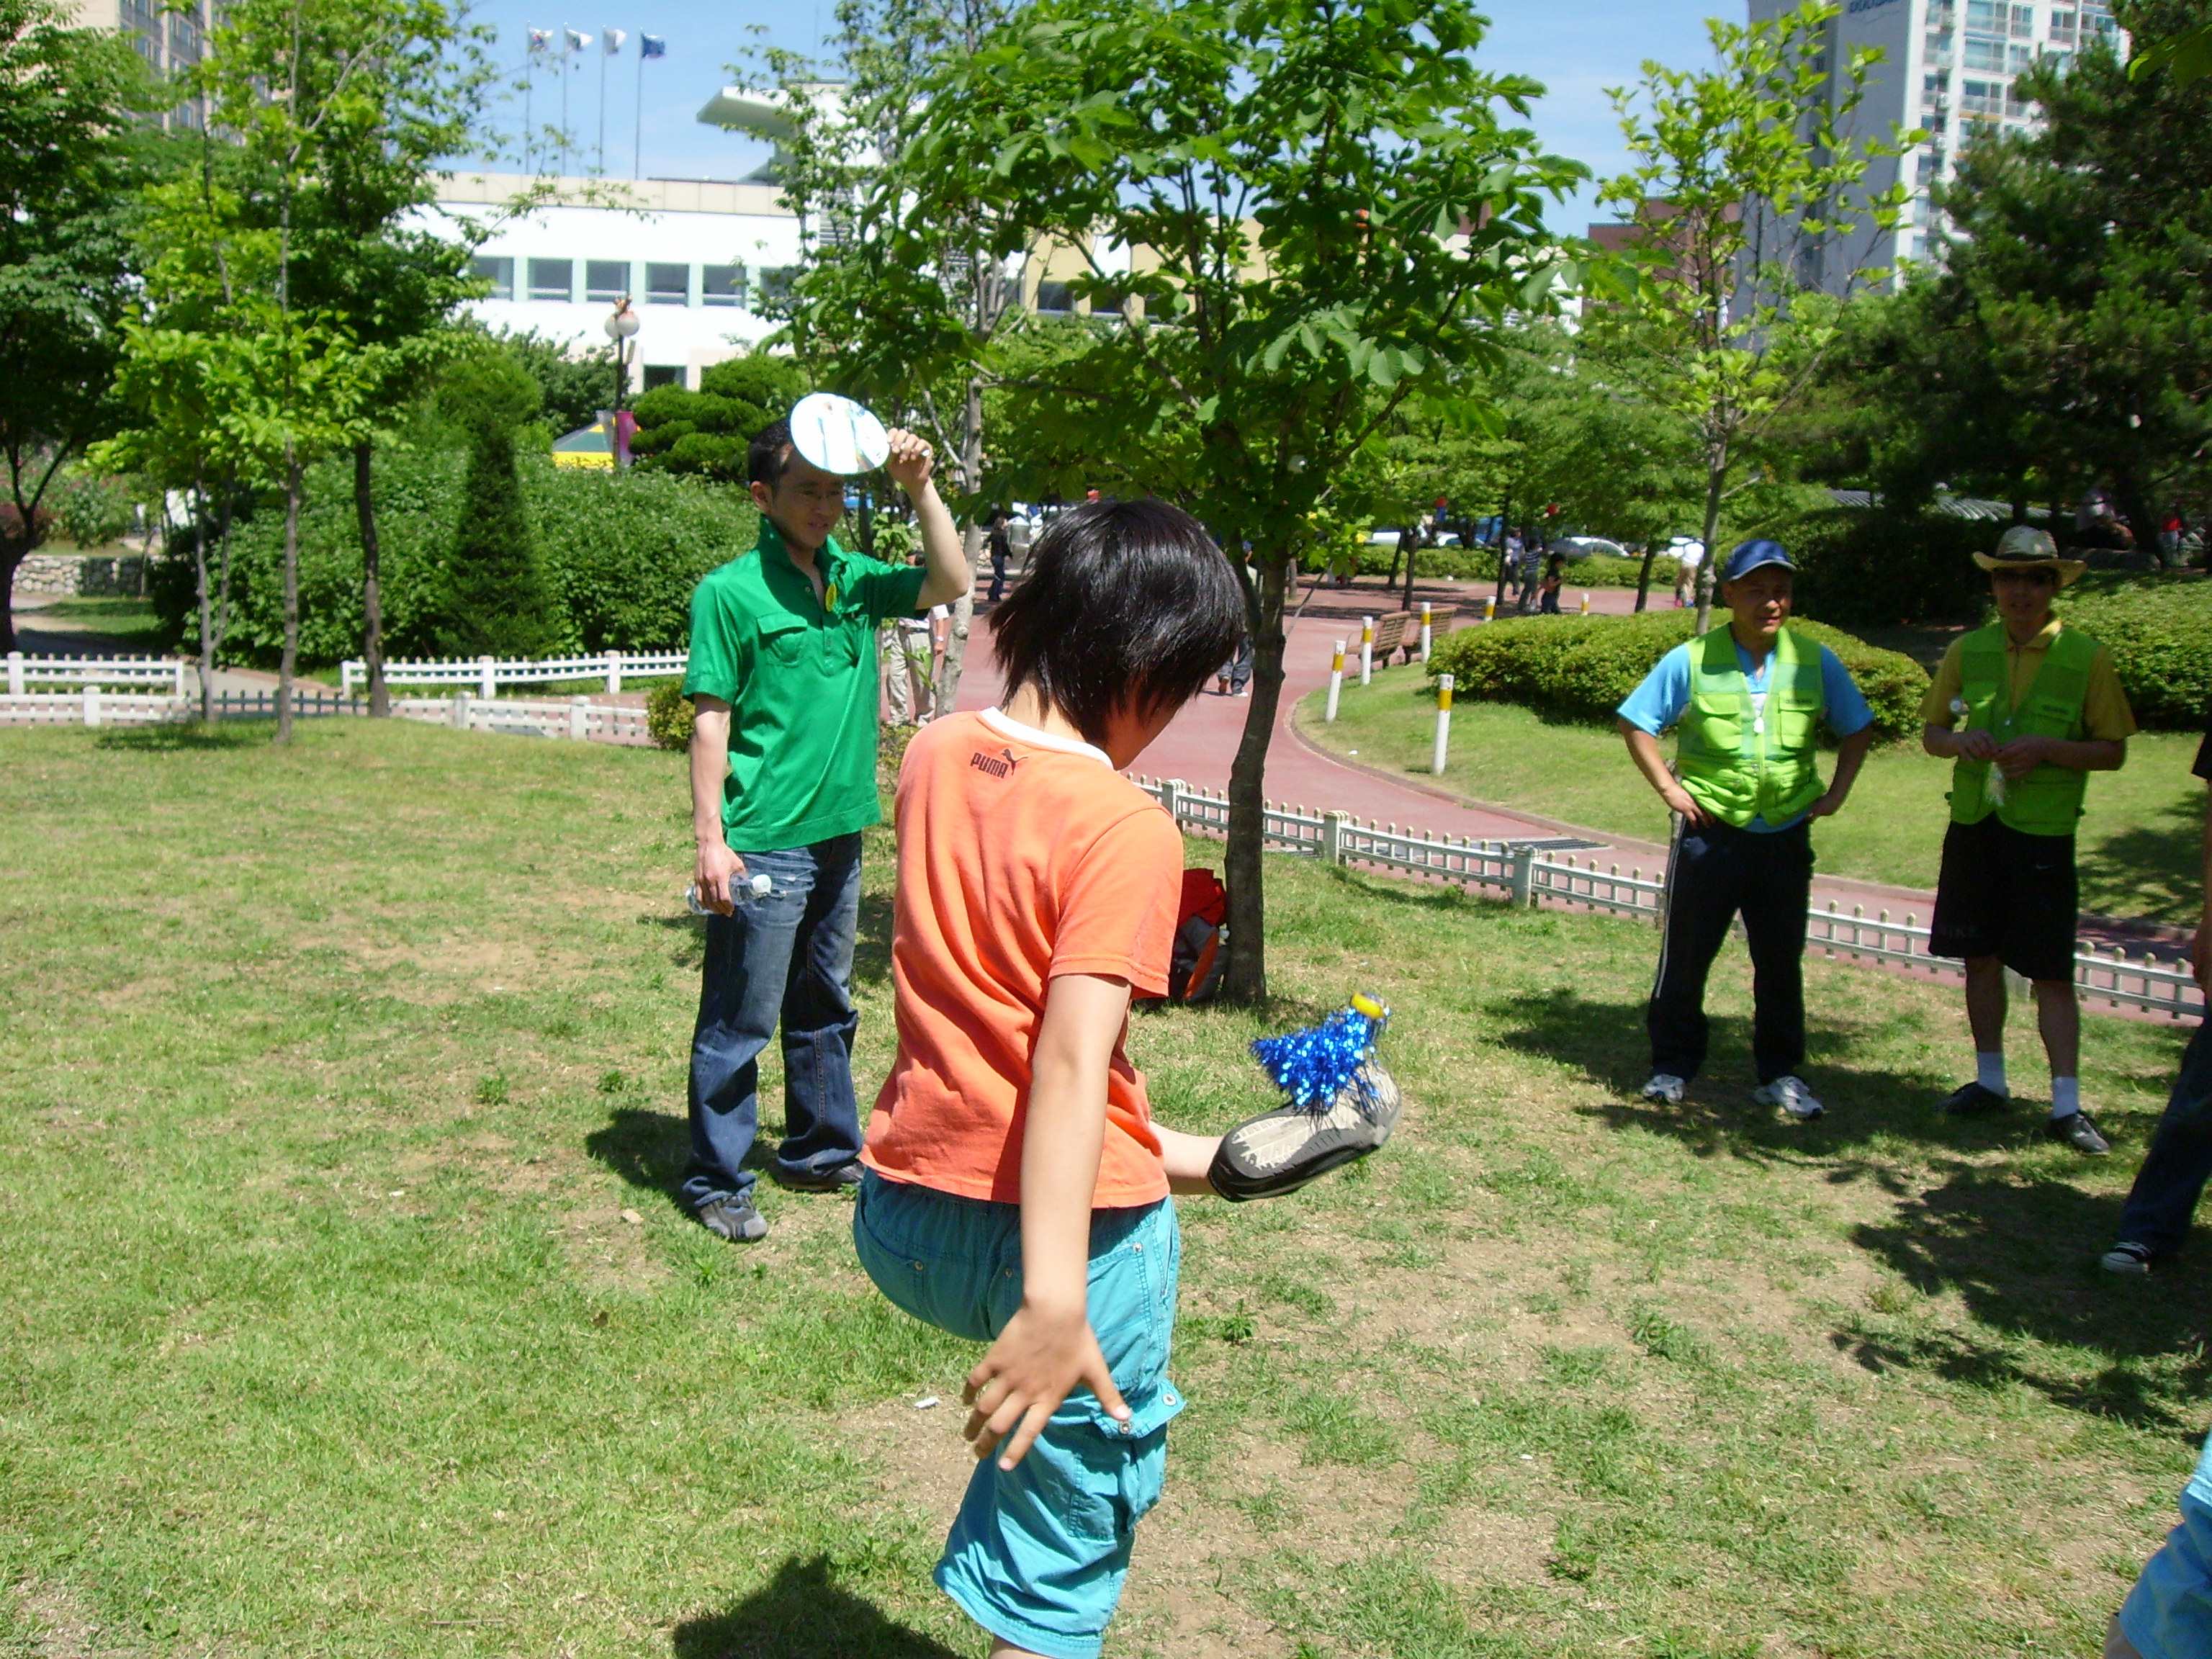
(1791, 1094)
(1665, 1086)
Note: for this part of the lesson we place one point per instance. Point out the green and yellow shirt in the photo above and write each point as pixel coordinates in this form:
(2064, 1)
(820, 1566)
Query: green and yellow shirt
(800, 676)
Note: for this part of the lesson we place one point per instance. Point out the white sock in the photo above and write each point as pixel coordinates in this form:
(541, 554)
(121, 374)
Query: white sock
(1988, 1071)
(2065, 1096)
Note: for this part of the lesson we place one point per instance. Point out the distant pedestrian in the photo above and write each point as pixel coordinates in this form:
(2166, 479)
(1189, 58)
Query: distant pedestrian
(1554, 573)
(1688, 556)
(1001, 548)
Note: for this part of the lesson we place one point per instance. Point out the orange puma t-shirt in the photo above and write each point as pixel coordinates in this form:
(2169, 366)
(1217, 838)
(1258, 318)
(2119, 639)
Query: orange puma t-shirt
(1021, 855)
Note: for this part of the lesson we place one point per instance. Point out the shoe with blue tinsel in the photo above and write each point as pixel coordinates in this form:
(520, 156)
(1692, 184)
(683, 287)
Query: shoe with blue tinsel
(1340, 1103)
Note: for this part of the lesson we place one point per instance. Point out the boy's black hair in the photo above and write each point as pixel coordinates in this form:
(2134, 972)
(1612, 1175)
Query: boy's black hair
(1125, 603)
(769, 457)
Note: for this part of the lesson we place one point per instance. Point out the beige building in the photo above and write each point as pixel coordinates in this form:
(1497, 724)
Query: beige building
(171, 41)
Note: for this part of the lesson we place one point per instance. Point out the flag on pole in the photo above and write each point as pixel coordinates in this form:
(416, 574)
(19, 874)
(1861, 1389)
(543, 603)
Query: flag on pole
(540, 38)
(611, 40)
(578, 41)
(652, 45)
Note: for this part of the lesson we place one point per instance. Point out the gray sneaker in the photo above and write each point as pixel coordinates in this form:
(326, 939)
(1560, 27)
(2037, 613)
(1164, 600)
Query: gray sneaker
(2126, 1257)
(733, 1218)
(1664, 1087)
(1789, 1093)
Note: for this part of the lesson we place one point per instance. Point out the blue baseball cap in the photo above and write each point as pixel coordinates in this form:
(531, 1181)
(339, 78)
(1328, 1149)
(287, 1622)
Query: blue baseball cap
(1749, 555)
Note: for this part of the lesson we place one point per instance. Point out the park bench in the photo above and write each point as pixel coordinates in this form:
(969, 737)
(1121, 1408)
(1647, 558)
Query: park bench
(1390, 634)
(1440, 623)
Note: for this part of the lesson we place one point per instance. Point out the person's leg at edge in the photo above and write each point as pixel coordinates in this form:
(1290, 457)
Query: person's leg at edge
(1775, 894)
(2175, 1171)
(740, 991)
(822, 1127)
(1701, 900)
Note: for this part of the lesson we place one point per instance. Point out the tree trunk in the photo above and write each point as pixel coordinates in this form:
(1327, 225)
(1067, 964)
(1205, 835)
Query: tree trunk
(1411, 541)
(372, 582)
(1245, 979)
(1643, 574)
(207, 602)
(1709, 567)
(291, 657)
(12, 555)
(972, 543)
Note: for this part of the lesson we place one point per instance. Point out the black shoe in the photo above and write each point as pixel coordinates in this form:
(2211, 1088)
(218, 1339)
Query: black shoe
(2078, 1131)
(732, 1218)
(1973, 1101)
(837, 1180)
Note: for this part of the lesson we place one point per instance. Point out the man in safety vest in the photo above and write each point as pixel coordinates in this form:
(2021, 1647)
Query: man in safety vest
(2027, 708)
(1749, 699)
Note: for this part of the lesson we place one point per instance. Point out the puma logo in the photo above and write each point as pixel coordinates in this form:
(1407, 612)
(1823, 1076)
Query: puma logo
(999, 765)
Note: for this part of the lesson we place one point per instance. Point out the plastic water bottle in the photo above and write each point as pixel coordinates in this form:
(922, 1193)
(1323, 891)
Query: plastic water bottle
(1993, 786)
(760, 884)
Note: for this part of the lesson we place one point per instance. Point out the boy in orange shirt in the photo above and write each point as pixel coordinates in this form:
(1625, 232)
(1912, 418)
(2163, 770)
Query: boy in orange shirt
(1016, 1188)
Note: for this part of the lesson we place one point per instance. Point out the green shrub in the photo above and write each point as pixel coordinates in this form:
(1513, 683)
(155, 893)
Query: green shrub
(2159, 629)
(668, 714)
(709, 432)
(1863, 567)
(1585, 666)
(498, 603)
(621, 553)
(1479, 564)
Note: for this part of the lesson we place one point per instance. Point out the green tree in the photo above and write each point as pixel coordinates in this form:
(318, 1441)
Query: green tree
(707, 433)
(73, 153)
(575, 389)
(1333, 216)
(498, 601)
(1746, 177)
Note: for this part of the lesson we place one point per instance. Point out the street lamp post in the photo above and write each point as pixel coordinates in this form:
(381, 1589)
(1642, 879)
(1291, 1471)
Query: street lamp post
(621, 328)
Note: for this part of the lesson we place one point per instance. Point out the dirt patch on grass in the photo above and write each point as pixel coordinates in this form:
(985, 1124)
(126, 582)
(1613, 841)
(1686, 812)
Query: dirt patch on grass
(61, 1627)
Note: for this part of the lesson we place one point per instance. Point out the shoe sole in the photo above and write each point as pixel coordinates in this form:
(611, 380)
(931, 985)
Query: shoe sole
(791, 1186)
(1281, 1151)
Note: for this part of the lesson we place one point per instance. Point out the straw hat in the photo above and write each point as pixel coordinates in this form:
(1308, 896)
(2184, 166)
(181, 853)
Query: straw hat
(2023, 547)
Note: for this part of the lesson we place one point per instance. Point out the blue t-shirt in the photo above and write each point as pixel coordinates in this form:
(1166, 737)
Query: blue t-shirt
(1659, 701)
(2168, 1615)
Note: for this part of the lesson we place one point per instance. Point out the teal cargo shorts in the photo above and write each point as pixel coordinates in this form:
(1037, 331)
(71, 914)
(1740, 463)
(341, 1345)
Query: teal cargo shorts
(1038, 1555)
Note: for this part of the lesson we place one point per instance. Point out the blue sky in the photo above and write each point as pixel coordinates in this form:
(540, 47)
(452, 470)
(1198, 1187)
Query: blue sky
(1577, 48)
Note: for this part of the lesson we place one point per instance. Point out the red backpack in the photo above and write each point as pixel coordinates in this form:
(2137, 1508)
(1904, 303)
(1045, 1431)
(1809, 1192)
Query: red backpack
(1196, 965)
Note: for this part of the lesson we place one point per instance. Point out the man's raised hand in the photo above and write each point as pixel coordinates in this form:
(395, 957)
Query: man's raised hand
(911, 461)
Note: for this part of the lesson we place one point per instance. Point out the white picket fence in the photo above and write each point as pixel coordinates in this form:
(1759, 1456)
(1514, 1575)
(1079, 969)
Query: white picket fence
(1529, 875)
(95, 706)
(487, 674)
(24, 672)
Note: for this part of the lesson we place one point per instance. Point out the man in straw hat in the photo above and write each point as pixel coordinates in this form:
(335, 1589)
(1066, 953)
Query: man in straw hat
(2027, 708)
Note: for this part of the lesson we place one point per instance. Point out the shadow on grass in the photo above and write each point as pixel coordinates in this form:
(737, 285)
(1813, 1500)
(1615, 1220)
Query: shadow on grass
(2020, 1253)
(872, 943)
(2151, 869)
(650, 1150)
(1607, 1039)
(173, 737)
(802, 1612)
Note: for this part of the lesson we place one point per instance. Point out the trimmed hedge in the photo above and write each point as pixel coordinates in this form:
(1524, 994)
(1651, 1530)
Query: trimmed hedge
(1585, 666)
(2159, 629)
(621, 553)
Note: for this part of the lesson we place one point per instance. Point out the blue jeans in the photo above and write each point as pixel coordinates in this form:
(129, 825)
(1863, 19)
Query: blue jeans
(787, 954)
(2179, 1161)
(1038, 1554)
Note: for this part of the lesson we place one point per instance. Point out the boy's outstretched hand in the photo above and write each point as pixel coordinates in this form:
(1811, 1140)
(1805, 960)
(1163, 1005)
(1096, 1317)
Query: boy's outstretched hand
(911, 460)
(1037, 1362)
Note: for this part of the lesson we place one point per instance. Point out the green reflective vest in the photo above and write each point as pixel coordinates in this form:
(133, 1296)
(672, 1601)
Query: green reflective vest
(2048, 800)
(1737, 763)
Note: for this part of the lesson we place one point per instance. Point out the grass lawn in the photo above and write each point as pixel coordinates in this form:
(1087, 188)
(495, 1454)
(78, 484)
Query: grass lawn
(341, 1103)
(130, 621)
(2140, 843)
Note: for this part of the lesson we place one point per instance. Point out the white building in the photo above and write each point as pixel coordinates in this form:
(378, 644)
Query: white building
(693, 256)
(1947, 69)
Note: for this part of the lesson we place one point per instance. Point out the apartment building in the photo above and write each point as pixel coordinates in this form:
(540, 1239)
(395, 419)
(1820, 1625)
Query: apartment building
(169, 39)
(1947, 69)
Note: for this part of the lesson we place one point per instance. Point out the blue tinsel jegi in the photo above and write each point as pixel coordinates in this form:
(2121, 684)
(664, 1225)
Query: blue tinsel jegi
(1310, 1066)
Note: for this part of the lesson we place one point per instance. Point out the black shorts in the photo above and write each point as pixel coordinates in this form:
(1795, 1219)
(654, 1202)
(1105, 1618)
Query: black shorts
(2006, 893)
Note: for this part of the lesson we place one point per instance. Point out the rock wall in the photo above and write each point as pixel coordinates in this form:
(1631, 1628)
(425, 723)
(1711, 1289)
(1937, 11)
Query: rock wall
(83, 575)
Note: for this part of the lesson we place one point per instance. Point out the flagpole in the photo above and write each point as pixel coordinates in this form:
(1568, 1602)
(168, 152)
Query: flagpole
(565, 55)
(637, 118)
(529, 84)
(601, 165)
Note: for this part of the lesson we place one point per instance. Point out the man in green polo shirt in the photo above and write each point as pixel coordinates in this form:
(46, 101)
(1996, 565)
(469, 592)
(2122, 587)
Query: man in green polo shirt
(783, 679)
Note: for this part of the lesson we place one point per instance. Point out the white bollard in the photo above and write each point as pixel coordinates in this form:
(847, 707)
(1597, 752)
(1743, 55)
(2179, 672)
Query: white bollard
(1425, 630)
(1490, 607)
(91, 708)
(180, 679)
(577, 716)
(1586, 604)
(614, 672)
(1366, 649)
(14, 673)
(1335, 679)
(488, 680)
(460, 714)
(1444, 723)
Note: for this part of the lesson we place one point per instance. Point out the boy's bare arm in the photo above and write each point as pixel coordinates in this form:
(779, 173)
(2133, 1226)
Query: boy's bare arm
(1188, 1158)
(717, 867)
(1047, 1348)
(943, 554)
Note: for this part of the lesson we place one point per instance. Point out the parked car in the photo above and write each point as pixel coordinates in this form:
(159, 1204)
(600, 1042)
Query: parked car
(1586, 547)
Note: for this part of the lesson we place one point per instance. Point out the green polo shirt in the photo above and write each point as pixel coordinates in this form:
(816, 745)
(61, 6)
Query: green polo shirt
(800, 678)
